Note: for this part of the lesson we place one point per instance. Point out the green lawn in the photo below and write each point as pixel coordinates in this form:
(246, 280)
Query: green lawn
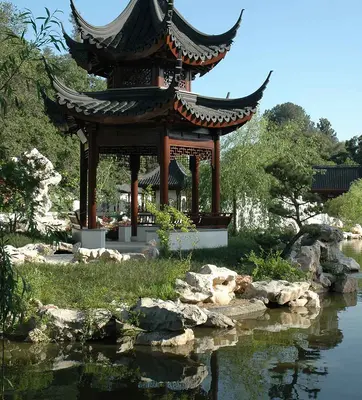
(98, 284)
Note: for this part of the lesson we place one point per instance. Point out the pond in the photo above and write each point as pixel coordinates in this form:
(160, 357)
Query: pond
(275, 355)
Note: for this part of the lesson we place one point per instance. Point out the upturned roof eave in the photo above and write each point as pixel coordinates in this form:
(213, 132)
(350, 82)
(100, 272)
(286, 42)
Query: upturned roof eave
(170, 24)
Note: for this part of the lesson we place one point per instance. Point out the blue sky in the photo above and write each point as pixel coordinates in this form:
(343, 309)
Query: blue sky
(313, 46)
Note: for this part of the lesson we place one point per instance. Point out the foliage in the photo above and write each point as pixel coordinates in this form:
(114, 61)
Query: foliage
(354, 149)
(85, 287)
(111, 172)
(22, 51)
(25, 124)
(275, 237)
(228, 257)
(168, 219)
(20, 239)
(287, 113)
(291, 192)
(270, 266)
(17, 186)
(12, 288)
(348, 206)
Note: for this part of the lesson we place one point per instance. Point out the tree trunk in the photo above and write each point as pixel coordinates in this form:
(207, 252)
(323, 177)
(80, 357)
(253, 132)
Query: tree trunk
(235, 215)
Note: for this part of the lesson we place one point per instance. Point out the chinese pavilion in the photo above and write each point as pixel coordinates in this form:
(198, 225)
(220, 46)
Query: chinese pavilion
(149, 56)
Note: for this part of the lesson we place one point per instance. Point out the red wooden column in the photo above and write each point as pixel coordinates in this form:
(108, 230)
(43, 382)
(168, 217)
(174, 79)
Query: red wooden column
(135, 167)
(216, 176)
(83, 187)
(92, 179)
(195, 171)
(164, 168)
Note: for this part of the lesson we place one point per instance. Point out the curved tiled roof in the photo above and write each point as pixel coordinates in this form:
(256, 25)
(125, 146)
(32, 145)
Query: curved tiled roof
(113, 102)
(214, 112)
(177, 178)
(124, 106)
(335, 178)
(144, 26)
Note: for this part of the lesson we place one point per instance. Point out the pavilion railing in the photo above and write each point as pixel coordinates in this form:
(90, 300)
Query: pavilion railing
(201, 220)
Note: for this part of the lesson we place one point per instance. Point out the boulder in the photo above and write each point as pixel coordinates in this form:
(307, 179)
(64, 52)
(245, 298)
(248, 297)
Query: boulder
(345, 284)
(165, 338)
(28, 253)
(312, 298)
(280, 292)
(133, 256)
(357, 229)
(37, 336)
(324, 280)
(213, 284)
(70, 325)
(298, 303)
(65, 248)
(328, 234)
(151, 251)
(221, 276)
(159, 315)
(217, 320)
(242, 282)
(334, 261)
(201, 283)
(88, 255)
(308, 258)
(110, 255)
(193, 315)
(190, 294)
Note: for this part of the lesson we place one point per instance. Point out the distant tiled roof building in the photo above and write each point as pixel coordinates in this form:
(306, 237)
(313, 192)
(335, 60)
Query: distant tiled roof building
(332, 181)
(176, 178)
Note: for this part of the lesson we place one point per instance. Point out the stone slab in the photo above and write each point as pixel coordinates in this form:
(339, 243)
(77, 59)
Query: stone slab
(238, 307)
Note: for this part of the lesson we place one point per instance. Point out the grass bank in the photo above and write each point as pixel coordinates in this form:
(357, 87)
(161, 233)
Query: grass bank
(98, 284)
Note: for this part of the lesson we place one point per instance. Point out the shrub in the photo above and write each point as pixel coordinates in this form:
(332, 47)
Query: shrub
(272, 266)
(274, 237)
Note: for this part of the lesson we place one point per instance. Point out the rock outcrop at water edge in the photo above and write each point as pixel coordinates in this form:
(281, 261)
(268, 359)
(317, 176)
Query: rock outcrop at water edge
(211, 284)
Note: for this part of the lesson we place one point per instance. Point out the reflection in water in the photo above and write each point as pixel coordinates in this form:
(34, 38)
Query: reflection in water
(279, 355)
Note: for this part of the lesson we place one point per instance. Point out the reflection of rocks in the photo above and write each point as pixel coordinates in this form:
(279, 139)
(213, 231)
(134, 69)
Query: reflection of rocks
(171, 339)
(276, 321)
(215, 341)
(175, 372)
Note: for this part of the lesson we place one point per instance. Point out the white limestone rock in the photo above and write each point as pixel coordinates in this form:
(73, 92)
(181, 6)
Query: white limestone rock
(190, 294)
(280, 292)
(71, 325)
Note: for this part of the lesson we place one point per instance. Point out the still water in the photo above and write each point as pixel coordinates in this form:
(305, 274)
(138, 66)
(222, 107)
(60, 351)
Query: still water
(278, 355)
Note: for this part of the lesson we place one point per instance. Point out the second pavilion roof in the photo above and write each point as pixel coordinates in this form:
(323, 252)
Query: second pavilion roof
(130, 105)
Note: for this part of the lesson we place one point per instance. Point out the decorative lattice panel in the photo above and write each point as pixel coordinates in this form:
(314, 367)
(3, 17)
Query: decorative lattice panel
(202, 154)
(168, 76)
(129, 150)
(132, 77)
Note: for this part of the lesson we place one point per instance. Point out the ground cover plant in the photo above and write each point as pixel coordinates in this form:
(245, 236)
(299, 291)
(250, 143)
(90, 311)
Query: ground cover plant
(98, 284)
